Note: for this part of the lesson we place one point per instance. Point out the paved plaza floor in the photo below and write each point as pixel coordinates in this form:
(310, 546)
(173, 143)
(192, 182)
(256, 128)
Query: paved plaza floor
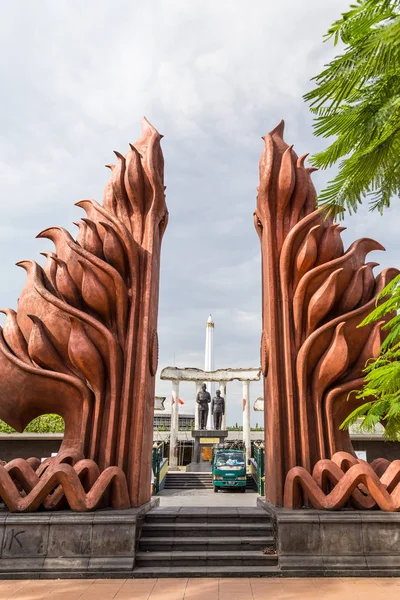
(203, 589)
(206, 498)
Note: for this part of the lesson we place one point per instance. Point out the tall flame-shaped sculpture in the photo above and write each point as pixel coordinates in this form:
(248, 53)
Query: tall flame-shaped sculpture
(312, 353)
(83, 344)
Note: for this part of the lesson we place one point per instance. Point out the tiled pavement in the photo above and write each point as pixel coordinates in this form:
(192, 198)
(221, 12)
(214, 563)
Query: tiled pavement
(202, 589)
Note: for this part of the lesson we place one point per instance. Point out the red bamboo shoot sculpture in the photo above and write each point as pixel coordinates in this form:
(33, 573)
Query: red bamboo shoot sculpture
(314, 296)
(83, 344)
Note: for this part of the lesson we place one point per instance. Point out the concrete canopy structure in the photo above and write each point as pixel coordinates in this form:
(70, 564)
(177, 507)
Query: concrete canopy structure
(198, 375)
(222, 377)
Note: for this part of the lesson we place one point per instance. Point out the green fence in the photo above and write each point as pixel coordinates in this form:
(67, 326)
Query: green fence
(258, 451)
(157, 459)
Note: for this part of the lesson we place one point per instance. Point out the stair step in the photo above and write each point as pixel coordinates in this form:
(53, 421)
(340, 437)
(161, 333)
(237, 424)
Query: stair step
(187, 482)
(205, 558)
(200, 481)
(242, 515)
(213, 529)
(206, 542)
(196, 481)
(224, 544)
(206, 571)
(198, 477)
(187, 478)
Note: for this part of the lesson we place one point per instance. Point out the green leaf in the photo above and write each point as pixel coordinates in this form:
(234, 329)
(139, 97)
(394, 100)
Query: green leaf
(357, 101)
(42, 424)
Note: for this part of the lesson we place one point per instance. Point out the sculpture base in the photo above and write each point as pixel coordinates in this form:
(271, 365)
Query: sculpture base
(204, 441)
(346, 543)
(64, 544)
(210, 433)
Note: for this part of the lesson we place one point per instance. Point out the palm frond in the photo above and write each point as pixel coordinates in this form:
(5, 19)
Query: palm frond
(357, 101)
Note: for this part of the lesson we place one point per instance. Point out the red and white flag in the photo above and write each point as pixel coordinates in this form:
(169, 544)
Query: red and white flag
(179, 401)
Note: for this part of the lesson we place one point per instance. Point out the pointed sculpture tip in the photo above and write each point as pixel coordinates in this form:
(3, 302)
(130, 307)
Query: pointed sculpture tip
(209, 320)
(106, 226)
(73, 320)
(146, 125)
(22, 263)
(301, 159)
(81, 203)
(35, 319)
(45, 233)
(279, 129)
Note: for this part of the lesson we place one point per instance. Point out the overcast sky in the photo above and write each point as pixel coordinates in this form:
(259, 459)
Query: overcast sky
(213, 76)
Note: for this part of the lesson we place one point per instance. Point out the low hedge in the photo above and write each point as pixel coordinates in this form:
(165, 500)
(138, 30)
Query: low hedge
(42, 424)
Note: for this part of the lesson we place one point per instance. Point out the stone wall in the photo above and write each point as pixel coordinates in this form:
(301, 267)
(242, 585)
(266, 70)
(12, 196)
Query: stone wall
(312, 543)
(41, 445)
(378, 449)
(64, 544)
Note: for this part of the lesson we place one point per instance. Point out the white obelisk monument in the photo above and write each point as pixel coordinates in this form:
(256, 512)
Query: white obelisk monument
(209, 363)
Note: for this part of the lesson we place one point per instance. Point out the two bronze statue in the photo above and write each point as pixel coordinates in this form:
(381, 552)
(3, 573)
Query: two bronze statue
(217, 407)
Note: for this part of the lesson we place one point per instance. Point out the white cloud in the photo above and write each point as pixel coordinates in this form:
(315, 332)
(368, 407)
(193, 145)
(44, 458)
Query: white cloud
(76, 77)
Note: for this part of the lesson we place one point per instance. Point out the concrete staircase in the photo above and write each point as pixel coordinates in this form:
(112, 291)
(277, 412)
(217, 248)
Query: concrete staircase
(178, 480)
(206, 542)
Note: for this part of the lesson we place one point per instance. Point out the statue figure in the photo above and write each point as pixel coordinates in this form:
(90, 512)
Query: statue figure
(203, 400)
(218, 409)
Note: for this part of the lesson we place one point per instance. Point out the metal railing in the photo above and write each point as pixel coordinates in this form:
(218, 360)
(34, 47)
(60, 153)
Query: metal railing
(258, 465)
(157, 460)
